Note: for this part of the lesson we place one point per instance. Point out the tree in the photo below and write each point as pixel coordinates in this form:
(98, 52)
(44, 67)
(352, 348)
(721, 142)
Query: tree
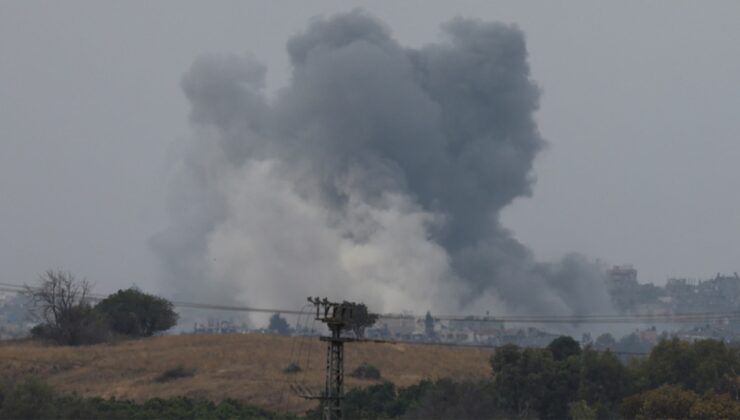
(580, 410)
(711, 406)
(67, 317)
(530, 383)
(360, 318)
(429, 326)
(445, 399)
(278, 325)
(135, 313)
(706, 365)
(605, 341)
(665, 402)
(603, 381)
(564, 347)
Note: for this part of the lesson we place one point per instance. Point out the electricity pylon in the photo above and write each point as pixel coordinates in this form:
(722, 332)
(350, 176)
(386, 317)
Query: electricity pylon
(337, 316)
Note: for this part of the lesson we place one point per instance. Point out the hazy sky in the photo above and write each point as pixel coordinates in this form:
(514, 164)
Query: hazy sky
(640, 106)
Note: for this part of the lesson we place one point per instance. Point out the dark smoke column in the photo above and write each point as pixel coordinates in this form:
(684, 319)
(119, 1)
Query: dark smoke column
(378, 172)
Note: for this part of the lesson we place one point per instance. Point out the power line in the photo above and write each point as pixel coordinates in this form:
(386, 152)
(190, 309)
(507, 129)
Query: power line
(669, 318)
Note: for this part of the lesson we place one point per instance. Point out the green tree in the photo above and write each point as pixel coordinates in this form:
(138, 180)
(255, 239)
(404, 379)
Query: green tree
(580, 410)
(564, 347)
(706, 365)
(605, 341)
(429, 326)
(445, 399)
(603, 381)
(665, 402)
(529, 382)
(711, 406)
(278, 325)
(135, 313)
(360, 319)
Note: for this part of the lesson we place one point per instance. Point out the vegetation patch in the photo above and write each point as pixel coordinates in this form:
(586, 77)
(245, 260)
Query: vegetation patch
(177, 372)
(63, 303)
(366, 371)
(32, 398)
(292, 368)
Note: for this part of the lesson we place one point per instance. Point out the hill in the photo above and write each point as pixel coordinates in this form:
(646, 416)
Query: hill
(248, 367)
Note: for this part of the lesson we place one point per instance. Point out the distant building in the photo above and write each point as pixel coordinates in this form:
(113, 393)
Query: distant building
(485, 325)
(397, 326)
(218, 326)
(622, 276)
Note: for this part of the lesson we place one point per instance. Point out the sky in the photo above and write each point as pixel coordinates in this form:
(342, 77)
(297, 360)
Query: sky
(639, 108)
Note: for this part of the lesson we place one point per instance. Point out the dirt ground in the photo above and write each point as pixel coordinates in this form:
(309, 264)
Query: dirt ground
(248, 367)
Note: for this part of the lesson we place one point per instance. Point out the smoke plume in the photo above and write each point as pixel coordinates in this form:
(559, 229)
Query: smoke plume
(377, 174)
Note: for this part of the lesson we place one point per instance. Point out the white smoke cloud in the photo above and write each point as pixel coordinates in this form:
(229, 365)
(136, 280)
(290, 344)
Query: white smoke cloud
(376, 175)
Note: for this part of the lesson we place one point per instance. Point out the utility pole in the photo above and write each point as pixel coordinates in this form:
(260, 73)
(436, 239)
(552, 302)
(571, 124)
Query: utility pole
(337, 316)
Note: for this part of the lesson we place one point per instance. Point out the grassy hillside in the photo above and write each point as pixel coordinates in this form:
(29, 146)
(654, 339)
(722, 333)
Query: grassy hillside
(248, 367)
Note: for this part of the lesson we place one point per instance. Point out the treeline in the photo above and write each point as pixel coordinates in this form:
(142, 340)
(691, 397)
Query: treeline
(677, 380)
(69, 318)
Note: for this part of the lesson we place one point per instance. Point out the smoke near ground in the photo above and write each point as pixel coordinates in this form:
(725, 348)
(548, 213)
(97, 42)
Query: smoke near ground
(377, 174)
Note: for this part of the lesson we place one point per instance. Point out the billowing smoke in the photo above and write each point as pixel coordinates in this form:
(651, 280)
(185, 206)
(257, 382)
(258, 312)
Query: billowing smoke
(377, 174)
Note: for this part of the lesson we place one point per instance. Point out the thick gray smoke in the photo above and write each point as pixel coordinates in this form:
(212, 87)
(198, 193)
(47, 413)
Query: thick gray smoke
(377, 174)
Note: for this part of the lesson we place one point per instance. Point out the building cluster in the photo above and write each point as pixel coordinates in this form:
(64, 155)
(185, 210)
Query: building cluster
(718, 298)
(470, 330)
(15, 321)
(719, 294)
(219, 326)
(712, 302)
(678, 296)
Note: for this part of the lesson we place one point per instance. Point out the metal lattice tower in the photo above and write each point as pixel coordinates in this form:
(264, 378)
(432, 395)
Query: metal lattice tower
(337, 316)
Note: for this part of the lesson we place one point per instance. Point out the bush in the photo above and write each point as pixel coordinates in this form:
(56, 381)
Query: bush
(292, 368)
(32, 398)
(445, 399)
(177, 372)
(42, 331)
(134, 313)
(366, 371)
(80, 325)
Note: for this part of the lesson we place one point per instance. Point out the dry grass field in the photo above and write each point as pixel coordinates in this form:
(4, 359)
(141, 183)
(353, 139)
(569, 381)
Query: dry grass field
(248, 367)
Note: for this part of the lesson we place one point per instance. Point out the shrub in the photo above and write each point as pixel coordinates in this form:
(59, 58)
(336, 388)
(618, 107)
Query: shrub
(32, 398)
(292, 368)
(366, 371)
(177, 372)
(446, 399)
(81, 325)
(42, 331)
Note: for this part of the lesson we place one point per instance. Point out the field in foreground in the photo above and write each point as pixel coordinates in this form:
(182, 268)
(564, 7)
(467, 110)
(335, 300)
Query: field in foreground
(248, 367)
